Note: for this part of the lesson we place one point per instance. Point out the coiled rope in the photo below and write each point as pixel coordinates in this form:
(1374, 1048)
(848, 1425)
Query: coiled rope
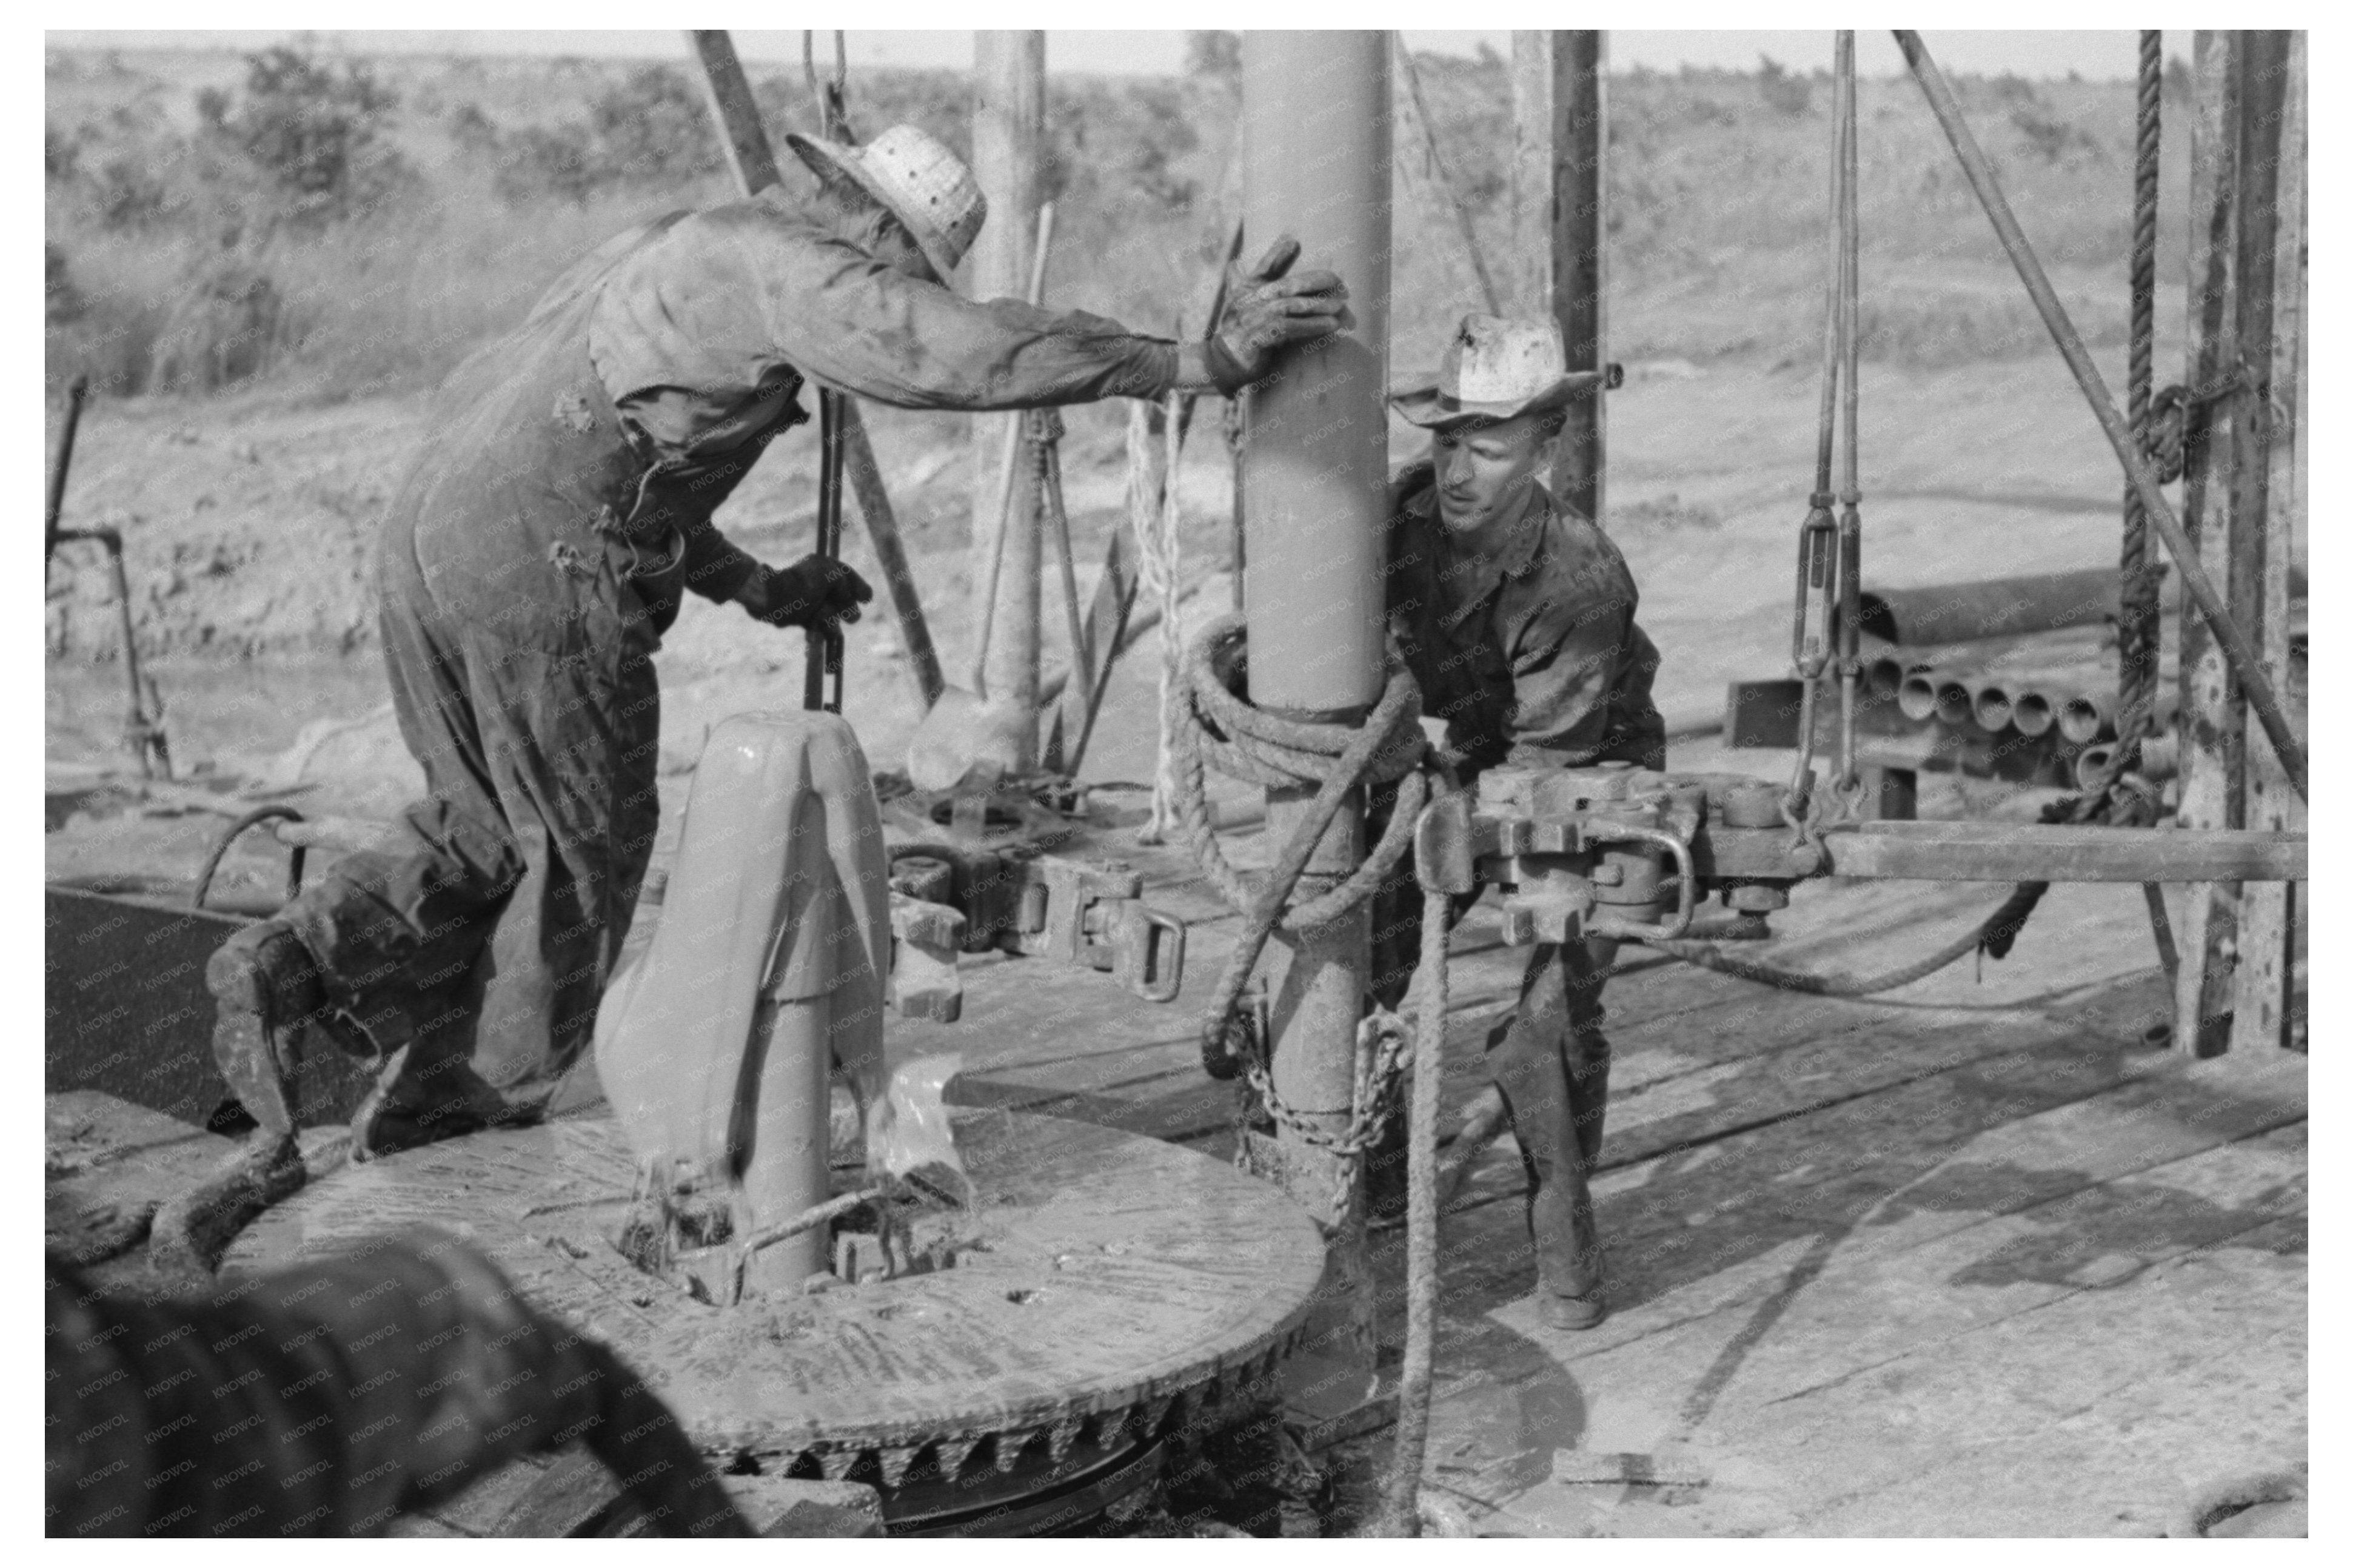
(1217, 728)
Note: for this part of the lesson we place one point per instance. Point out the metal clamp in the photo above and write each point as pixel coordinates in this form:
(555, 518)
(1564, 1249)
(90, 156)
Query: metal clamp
(1087, 914)
(1686, 882)
(1139, 935)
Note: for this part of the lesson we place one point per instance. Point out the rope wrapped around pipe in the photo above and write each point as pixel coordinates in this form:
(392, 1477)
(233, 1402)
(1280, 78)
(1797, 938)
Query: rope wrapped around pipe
(1219, 727)
(1216, 726)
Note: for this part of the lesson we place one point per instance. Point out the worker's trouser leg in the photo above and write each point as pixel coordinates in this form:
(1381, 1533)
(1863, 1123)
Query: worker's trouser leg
(474, 943)
(1551, 1061)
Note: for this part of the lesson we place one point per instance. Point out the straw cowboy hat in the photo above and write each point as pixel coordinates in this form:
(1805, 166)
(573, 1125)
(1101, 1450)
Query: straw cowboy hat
(923, 185)
(1496, 367)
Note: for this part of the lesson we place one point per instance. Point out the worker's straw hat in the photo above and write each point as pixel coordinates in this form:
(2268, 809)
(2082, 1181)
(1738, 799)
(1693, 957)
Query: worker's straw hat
(1495, 368)
(926, 186)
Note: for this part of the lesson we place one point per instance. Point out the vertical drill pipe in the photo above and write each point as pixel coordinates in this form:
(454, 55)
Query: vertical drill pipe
(1008, 130)
(1315, 111)
(2200, 587)
(76, 391)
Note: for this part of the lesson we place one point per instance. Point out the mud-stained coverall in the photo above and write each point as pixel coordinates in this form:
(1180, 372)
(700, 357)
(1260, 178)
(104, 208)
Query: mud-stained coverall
(329, 1398)
(1531, 654)
(532, 561)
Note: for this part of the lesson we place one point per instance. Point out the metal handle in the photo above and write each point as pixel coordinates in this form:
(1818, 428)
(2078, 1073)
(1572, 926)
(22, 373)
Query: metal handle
(1134, 968)
(1686, 883)
(229, 836)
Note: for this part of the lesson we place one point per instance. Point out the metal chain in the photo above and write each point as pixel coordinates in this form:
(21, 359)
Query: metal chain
(1384, 1056)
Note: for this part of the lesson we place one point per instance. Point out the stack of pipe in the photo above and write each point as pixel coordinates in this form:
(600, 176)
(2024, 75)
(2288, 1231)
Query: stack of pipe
(2082, 713)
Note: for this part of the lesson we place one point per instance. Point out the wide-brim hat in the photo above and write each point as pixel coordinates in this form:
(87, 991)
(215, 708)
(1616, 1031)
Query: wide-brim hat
(1496, 367)
(918, 181)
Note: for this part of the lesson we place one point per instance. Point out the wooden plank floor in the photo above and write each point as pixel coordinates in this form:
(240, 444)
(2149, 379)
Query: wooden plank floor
(1975, 1259)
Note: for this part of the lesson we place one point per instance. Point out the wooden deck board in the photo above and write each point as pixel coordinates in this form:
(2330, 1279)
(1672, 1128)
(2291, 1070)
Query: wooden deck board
(1968, 1258)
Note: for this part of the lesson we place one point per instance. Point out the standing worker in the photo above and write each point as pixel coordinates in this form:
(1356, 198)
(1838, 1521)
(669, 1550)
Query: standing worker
(1516, 617)
(528, 566)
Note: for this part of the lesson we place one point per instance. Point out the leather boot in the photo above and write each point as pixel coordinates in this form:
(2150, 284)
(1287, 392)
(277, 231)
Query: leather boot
(266, 986)
(408, 1109)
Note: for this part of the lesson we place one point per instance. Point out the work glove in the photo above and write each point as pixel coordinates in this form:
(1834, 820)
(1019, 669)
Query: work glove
(815, 592)
(1267, 312)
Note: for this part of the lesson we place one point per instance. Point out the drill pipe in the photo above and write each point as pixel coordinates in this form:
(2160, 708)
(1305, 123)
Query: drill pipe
(2031, 712)
(1315, 137)
(1990, 706)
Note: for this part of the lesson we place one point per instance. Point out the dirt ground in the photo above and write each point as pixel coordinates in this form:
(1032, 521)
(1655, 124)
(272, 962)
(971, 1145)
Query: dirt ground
(249, 525)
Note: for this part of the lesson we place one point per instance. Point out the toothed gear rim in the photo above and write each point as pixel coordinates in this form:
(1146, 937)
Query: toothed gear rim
(1122, 1287)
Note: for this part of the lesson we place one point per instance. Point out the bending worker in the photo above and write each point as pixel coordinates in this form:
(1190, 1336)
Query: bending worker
(532, 561)
(1516, 617)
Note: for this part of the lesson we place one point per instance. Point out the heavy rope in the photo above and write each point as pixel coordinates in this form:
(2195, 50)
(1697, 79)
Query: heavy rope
(2136, 622)
(1401, 1504)
(1219, 727)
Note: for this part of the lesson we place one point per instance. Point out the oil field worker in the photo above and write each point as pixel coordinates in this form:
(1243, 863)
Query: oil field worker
(1516, 617)
(532, 560)
(332, 1397)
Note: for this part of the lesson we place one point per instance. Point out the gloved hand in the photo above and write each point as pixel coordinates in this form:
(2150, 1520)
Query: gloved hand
(811, 592)
(1267, 312)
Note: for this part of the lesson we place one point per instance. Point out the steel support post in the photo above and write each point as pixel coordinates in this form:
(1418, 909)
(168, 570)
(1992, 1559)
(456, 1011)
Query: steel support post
(1580, 278)
(1316, 132)
(2261, 1013)
(1009, 133)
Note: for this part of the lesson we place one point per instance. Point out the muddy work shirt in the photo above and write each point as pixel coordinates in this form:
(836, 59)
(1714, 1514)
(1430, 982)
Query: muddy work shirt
(705, 325)
(1529, 652)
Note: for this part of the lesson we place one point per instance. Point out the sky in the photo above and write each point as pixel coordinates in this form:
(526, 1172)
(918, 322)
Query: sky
(2100, 56)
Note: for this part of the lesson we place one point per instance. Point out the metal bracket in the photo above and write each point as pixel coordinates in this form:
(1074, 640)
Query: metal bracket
(1083, 913)
(926, 939)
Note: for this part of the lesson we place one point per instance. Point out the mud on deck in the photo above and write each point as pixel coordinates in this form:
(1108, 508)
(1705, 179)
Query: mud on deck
(1974, 1259)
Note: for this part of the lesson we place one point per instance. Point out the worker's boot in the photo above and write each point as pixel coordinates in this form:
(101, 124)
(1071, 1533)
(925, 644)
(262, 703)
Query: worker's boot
(266, 986)
(410, 1108)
